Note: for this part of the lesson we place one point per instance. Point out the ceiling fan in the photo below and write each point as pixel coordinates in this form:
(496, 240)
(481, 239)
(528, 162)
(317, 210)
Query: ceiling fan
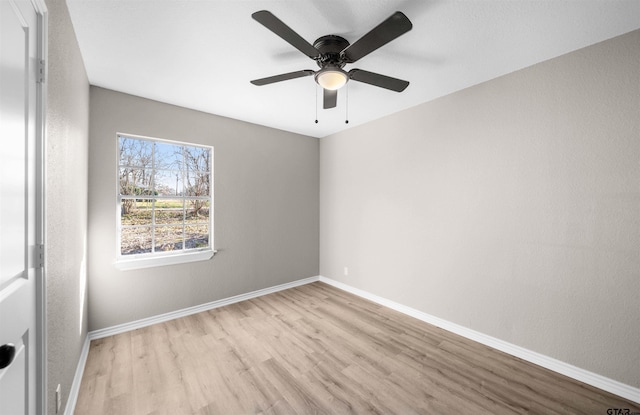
(332, 53)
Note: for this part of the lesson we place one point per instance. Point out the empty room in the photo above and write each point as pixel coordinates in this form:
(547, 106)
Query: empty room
(310, 207)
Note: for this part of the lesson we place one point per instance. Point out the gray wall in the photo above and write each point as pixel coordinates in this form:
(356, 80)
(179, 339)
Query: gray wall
(66, 202)
(266, 201)
(511, 208)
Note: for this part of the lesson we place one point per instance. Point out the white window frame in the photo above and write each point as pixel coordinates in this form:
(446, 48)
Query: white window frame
(156, 259)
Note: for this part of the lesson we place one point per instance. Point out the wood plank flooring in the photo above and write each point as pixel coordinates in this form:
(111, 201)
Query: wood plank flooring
(316, 349)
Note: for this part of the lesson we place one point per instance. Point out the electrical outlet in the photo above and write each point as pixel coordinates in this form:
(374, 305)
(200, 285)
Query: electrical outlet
(58, 398)
(346, 271)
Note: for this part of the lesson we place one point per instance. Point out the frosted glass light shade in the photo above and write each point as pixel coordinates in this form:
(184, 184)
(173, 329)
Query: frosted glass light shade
(332, 78)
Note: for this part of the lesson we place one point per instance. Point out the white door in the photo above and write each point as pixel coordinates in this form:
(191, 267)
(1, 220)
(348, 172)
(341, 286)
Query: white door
(19, 262)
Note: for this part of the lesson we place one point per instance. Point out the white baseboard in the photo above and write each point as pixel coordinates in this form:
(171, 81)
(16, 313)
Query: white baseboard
(161, 318)
(590, 378)
(77, 379)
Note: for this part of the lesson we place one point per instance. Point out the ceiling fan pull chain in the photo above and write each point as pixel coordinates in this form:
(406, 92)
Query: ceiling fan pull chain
(346, 97)
(316, 103)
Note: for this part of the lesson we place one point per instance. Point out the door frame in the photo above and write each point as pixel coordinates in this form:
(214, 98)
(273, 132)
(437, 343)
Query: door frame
(40, 281)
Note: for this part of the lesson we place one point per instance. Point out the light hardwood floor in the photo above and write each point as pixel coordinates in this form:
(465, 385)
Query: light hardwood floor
(316, 349)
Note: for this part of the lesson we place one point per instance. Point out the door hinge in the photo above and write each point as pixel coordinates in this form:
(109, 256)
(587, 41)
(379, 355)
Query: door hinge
(38, 256)
(42, 67)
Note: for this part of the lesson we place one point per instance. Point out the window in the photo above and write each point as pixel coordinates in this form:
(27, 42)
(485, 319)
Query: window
(164, 202)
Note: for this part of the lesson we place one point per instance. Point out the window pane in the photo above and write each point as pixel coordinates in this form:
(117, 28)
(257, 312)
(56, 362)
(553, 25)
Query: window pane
(168, 183)
(136, 212)
(196, 183)
(197, 211)
(136, 240)
(168, 156)
(197, 236)
(197, 167)
(135, 152)
(168, 238)
(197, 158)
(135, 181)
(169, 211)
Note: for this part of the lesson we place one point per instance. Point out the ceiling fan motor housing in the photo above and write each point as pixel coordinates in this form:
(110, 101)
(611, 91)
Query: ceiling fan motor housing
(330, 47)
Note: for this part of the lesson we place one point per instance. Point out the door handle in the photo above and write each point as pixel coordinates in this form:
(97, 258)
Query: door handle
(7, 353)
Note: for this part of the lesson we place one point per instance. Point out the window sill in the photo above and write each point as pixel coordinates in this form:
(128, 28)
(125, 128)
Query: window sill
(159, 261)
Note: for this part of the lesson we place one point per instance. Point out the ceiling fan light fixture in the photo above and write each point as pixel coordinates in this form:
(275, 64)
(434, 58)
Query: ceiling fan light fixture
(331, 78)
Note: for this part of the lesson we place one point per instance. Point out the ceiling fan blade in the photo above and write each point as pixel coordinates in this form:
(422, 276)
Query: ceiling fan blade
(271, 22)
(376, 79)
(282, 77)
(330, 98)
(396, 25)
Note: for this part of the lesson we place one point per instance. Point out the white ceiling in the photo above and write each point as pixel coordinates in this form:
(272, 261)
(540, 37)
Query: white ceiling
(201, 54)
